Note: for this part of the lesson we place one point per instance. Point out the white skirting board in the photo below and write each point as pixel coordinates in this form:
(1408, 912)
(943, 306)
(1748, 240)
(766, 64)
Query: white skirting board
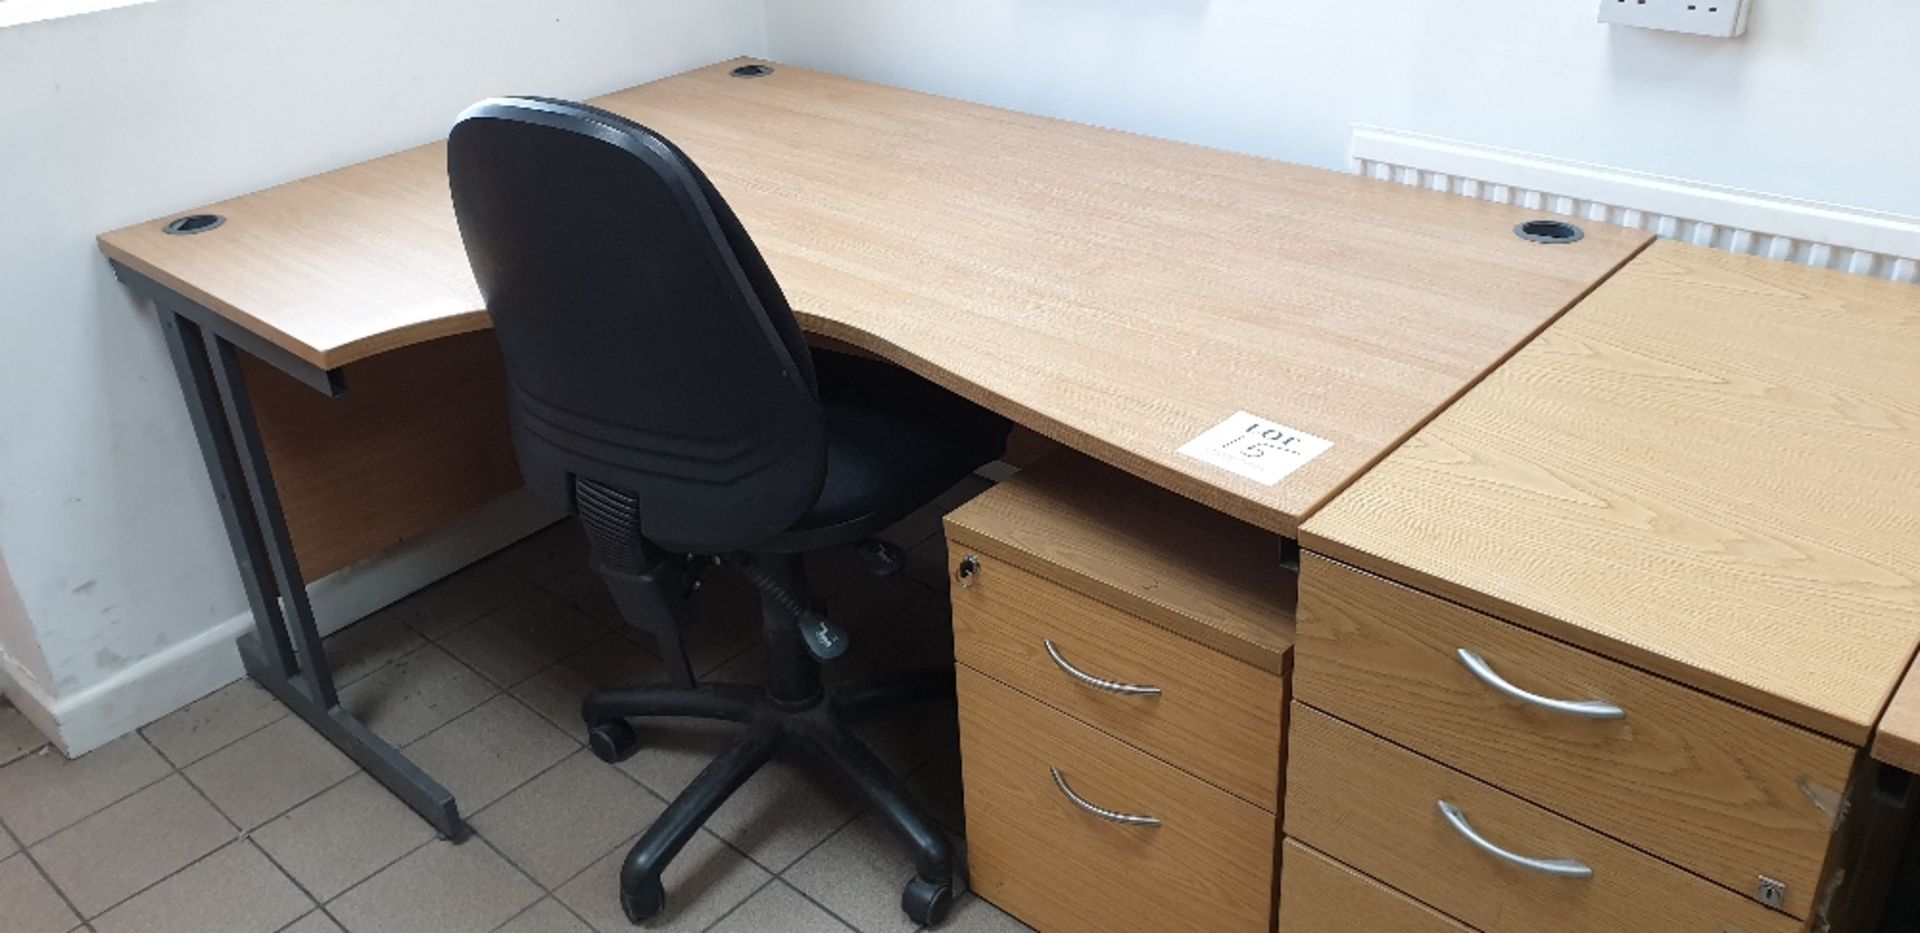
(1856, 240)
(188, 670)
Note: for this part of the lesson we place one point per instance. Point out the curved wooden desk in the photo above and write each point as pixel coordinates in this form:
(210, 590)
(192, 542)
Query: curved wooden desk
(1115, 292)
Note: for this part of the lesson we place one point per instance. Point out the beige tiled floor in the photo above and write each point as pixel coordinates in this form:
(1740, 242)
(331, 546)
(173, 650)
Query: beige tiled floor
(231, 815)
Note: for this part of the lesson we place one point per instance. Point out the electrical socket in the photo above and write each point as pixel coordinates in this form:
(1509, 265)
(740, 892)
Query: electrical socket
(1722, 18)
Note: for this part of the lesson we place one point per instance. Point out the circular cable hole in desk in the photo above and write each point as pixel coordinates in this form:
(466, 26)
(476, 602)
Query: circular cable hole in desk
(1548, 231)
(194, 223)
(752, 71)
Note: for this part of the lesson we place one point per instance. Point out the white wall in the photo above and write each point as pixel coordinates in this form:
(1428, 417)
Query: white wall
(108, 527)
(1818, 100)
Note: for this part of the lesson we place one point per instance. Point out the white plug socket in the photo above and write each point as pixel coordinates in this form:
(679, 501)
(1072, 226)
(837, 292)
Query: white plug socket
(1722, 18)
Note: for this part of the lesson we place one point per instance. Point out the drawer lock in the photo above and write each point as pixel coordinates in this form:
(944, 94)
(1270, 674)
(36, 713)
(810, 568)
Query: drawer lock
(968, 573)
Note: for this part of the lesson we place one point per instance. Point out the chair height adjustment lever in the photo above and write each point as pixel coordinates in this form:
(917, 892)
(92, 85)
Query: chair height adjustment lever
(825, 640)
(880, 558)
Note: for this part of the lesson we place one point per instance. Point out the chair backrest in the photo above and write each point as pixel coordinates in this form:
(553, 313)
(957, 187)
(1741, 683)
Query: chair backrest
(647, 346)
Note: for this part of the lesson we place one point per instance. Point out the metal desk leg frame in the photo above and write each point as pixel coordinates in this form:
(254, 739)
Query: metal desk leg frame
(284, 652)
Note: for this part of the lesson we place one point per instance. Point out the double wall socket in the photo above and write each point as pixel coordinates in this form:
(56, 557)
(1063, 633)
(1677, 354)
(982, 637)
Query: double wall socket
(1723, 18)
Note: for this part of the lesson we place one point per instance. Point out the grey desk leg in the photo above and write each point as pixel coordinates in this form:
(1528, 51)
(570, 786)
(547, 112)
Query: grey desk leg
(284, 652)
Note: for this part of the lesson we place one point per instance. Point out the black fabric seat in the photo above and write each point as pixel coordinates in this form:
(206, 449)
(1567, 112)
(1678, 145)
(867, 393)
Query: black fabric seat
(661, 391)
(894, 442)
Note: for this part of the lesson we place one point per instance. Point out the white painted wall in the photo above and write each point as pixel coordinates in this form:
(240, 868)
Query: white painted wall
(107, 523)
(1817, 101)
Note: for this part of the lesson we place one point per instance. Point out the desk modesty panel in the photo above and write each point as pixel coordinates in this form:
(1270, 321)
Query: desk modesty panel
(1709, 469)
(1118, 293)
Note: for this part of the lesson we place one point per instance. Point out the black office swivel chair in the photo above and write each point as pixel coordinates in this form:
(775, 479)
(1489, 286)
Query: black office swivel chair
(660, 391)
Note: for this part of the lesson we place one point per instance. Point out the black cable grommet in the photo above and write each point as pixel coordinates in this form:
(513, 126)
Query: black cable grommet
(1548, 231)
(193, 223)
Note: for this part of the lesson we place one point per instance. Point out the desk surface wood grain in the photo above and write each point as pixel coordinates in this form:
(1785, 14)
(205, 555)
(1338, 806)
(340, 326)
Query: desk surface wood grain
(1117, 293)
(1710, 469)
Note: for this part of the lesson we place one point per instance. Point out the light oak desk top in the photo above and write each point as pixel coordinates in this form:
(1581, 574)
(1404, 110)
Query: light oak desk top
(1709, 469)
(1118, 293)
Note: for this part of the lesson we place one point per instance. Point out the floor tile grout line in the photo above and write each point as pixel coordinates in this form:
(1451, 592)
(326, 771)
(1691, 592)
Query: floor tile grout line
(771, 879)
(623, 843)
(289, 809)
(331, 916)
(859, 811)
(545, 892)
(182, 766)
(42, 871)
(435, 639)
(375, 874)
(523, 911)
(283, 928)
(164, 878)
(571, 912)
(171, 770)
(201, 792)
(282, 869)
(824, 908)
(475, 831)
(240, 835)
(537, 775)
(27, 752)
(496, 694)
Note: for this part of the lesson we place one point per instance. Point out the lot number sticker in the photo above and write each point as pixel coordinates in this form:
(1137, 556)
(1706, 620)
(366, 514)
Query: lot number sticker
(1260, 450)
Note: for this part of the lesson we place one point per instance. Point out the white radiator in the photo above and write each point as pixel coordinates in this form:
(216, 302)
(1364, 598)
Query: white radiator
(1862, 242)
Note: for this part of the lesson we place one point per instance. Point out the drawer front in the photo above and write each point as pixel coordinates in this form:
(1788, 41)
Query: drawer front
(1320, 895)
(1376, 807)
(1708, 785)
(1213, 716)
(1044, 859)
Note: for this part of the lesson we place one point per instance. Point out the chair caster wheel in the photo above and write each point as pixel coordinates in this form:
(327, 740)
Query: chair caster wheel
(926, 902)
(612, 741)
(643, 901)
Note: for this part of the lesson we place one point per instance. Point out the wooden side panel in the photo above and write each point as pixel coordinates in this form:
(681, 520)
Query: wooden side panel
(1208, 866)
(1215, 717)
(1709, 785)
(1374, 805)
(419, 438)
(1320, 895)
(1897, 739)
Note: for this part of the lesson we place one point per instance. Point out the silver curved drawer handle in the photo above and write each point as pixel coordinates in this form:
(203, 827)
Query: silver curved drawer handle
(1559, 868)
(1110, 686)
(1585, 709)
(1111, 816)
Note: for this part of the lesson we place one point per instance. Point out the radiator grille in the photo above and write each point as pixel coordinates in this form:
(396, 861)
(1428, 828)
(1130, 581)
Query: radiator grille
(1862, 242)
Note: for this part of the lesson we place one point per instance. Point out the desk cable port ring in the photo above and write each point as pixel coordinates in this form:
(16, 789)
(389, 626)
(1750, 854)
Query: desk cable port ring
(1551, 232)
(755, 70)
(193, 223)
